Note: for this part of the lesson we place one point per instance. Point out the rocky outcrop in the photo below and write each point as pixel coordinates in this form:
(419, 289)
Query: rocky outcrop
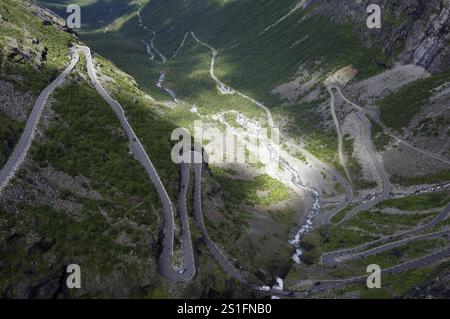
(439, 288)
(47, 16)
(427, 39)
(47, 186)
(415, 31)
(16, 104)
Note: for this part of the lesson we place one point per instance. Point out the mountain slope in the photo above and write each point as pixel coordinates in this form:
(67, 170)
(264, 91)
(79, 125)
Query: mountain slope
(80, 197)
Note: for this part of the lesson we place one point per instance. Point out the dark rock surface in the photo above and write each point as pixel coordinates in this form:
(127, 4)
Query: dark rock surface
(417, 29)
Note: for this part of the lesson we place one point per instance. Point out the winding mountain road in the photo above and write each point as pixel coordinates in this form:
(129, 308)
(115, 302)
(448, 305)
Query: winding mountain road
(227, 266)
(332, 258)
(363, 117)
(339, 134)
(220, 84)
(423, 261)
(377, 119)
(386, 185)
(165, 261)
(388, 246)
(188, 270)
(324, 218)
(22, 147)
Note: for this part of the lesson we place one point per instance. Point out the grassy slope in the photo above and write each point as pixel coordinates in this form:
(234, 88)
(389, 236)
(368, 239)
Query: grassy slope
(418, 202)
(84, 140)
(236, 23)
(399, 108)
(259, 62)
(95, 14)
(252, 63)
(21, 25)
(17, 28)
(246, 192)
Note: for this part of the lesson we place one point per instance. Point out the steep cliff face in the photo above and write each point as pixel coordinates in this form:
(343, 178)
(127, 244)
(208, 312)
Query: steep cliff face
(416, 30)
(427, 43)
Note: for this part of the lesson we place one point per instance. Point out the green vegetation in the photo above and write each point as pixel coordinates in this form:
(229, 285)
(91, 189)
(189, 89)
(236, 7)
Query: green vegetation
(352, 162)
(399, 285)
(354, 165)
(332, 238)
(398, 109)
(85, 140)
(157, 293)
(100, 153)
(262, 190)
(245, 217)
(301, 157)
(153, 128)
(379, 137)
(431, 126)
(305, 122)
(398, 255)
(376, 222)
(335, 237)
(340, 215)
(234, 28)
(231, 119)
(417, 202)
(9, 135)
(390, 258)
(97, 14)
(403, 283)
(188, 74)
(443, 176)
(30, 65)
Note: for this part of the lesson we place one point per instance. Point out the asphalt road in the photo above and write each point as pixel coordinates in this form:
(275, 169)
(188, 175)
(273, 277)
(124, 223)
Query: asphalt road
(221, 84)
(334, 257)
(376, 118)
(322, 218)
(165, 261)
(372, 154)
(374, 158)
(231, 270)
(424, 261)
(389, 246)
(227, 266)
(363, 116)
(22, 147)
(339, 133)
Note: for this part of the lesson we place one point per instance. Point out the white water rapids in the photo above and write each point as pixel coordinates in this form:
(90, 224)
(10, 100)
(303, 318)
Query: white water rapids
(275, 155)
(160, 82)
